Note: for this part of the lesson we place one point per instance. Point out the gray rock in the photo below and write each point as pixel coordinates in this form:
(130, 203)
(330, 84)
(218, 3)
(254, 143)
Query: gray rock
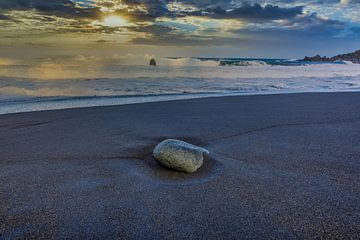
(179, 155)
(353, 57)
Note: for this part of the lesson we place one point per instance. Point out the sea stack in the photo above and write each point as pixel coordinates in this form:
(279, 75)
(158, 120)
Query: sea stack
(152, 62)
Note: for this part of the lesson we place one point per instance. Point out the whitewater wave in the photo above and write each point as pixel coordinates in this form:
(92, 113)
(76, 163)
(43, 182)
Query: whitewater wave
(208, 82)
(187, 62)
(99, 80)
(240, 62)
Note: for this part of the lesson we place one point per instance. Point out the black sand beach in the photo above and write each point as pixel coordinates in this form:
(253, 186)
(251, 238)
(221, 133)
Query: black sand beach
(281, 166)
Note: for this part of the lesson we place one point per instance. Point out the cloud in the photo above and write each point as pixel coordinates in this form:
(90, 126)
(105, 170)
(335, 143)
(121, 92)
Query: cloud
(253, 12)
(159, 35)
(308, 24)
(172, 23)
(147, 10)
(61, 8)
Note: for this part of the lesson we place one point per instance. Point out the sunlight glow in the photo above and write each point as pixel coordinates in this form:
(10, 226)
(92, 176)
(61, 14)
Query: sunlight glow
(114, 21)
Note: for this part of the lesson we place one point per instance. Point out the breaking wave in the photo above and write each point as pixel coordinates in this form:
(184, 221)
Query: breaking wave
(116, 80)
(240, 62)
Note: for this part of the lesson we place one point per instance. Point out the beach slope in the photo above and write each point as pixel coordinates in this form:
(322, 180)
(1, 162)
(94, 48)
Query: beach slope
(280, 166)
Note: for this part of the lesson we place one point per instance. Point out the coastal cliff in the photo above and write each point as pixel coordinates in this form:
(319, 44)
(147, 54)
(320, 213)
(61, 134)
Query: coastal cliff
(353, 57)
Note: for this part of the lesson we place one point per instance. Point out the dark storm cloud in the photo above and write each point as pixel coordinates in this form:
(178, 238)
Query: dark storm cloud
(297, 28)
(317, 2)
(203, 4)
(301, 27)
(89, 9)
(61, 8)
(258, 19)
(155, 9)
(221, 10)
(315, 23)
(255, 12)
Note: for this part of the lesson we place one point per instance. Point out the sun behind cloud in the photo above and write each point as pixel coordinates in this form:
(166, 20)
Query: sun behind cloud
(114, 21)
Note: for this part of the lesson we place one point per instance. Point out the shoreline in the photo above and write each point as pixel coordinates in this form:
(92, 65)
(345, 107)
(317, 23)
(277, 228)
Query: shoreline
(89, 173)
(40, 104)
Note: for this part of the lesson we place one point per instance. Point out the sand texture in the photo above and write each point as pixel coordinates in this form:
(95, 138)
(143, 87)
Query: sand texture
(281, 166)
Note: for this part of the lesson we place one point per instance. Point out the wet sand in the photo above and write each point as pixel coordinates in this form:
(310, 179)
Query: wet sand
(281, 166)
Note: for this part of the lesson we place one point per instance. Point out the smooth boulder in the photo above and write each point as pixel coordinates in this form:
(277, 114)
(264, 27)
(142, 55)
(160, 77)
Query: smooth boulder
(179, 155)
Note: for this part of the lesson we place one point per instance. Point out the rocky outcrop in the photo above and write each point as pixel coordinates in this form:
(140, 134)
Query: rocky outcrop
(349, 57)
(179, 155)
(316, 58)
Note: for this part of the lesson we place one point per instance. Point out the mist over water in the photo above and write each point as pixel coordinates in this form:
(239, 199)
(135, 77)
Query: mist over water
(81, 81)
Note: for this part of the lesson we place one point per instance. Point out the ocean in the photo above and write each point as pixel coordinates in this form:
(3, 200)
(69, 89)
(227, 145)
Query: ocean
(90, 81)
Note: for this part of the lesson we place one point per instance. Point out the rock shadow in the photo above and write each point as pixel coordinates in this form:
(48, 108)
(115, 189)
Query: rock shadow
(209, 170)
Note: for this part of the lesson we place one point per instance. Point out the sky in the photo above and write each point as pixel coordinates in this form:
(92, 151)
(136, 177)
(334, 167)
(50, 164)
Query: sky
(38, 29)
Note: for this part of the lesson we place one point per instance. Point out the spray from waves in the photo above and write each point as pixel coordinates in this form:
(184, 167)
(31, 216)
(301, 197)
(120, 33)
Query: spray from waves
(188, 62)
(95, 81)
(120, 66)
(237, 62)
(242, 63)
(213, 62)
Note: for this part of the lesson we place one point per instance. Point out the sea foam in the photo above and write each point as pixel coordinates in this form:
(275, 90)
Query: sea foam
(174, 78)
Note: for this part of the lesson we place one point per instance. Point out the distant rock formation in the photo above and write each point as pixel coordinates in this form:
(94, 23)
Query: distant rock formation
(350, 57)
(152, 62)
